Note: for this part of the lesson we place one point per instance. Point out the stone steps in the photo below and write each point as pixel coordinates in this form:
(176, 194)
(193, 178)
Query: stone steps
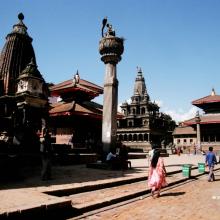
(89, 201)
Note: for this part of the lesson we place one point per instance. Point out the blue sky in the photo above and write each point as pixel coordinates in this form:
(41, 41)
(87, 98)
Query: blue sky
(175, 42)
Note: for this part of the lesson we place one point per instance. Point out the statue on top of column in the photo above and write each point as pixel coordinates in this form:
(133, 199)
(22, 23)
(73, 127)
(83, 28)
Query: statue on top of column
(110, 31)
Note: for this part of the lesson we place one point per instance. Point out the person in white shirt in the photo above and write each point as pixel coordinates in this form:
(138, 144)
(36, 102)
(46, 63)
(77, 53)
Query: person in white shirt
(110, 157)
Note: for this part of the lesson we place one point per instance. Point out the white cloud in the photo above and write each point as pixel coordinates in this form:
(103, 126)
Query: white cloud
(179, 115)
(159, 103)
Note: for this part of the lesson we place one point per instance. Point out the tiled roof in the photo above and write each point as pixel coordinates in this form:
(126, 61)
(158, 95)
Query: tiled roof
(72, 108)
(82, 85)
(61, 107)
(207, 99)
(205, 119)
(184, 130)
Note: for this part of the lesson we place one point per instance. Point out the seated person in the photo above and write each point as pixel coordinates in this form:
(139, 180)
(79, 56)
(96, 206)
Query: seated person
(110, 157)
(113, 160)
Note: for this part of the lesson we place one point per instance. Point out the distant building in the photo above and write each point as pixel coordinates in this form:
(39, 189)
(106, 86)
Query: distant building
(74, 118)
(142, 124)
(203, 130)
(184, 136)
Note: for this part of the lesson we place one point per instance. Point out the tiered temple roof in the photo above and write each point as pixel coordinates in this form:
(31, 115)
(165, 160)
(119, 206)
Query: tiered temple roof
(205, 119)
(73, 108)
(209, 104)
(76, 98)
(87, 89)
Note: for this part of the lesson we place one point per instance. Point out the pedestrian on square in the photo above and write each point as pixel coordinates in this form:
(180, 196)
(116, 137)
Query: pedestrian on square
(151, 154)
(46, 154)
(178, 151)
(195, 149)
(210, 162)
(157, 174)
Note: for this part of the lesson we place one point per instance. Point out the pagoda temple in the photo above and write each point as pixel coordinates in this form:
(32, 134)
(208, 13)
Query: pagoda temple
(142, 124)
(74, 118)
(203, 130)
(23, 91)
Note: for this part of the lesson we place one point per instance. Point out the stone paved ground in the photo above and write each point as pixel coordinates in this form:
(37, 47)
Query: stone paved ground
(28, 192)
(197, 200)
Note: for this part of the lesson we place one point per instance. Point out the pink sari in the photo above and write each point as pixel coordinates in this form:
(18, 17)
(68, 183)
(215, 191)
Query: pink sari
(157, 176)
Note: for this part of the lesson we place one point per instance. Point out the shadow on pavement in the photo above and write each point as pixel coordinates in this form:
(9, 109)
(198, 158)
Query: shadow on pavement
(67, 174)
(172, 194)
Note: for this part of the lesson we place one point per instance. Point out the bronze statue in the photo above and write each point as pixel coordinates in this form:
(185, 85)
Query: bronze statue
(110, 31)
(104, 22)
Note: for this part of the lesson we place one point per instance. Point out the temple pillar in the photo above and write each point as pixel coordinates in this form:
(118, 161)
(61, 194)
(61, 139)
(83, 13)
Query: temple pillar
(198, 133)
(111, 49)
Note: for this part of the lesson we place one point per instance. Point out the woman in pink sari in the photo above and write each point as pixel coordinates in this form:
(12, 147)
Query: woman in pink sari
(157, 174)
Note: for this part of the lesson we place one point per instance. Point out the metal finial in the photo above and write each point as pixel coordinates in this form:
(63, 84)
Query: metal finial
(21, 16)
(76, 78)
(213, 92)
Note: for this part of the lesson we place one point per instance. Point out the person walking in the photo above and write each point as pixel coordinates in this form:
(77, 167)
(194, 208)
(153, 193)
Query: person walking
(46, 155)
(157, 174)
(151, 154)
(210, 162)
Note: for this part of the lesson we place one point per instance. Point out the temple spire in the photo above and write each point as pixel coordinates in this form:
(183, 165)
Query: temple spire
(139, 85)
(15, 56)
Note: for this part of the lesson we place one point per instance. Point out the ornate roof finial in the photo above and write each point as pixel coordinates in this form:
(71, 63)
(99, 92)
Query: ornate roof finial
(21, 16)
(139, 72)
(76, 78)
(213, 92)
(20, 26)
(139, 69)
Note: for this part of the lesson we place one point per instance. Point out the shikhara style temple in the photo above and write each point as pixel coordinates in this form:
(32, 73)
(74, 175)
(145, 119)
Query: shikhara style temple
(143, 125)
(74, 118)
(203, 130)
(23, 91)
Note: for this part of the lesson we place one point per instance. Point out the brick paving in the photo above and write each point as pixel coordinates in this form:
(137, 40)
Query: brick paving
(197, 200)
(29, 192)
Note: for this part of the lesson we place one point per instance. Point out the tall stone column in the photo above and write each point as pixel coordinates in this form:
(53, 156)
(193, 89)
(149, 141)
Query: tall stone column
(111, 49)
(198, 133)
